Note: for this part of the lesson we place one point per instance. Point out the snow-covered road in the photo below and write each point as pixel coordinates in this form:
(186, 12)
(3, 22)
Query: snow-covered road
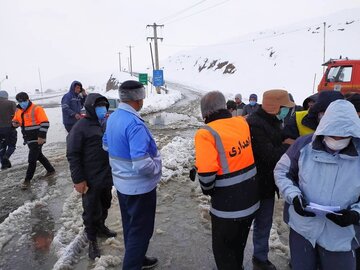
(42, 228)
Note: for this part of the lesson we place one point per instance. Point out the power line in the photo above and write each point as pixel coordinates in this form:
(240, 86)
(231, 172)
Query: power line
(181, 11)
(196, 13)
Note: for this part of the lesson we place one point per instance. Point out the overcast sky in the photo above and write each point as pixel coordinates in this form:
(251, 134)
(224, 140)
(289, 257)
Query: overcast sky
(84, 36)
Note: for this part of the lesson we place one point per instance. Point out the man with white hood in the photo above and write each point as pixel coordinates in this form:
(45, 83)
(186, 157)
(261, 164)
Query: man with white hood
(324, 168)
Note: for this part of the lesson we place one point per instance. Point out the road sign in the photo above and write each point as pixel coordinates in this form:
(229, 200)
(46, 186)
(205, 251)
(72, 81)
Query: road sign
(143, 78)
(158, 77)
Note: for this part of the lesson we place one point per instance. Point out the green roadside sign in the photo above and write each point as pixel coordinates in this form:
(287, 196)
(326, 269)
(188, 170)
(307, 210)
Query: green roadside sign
(143, 78)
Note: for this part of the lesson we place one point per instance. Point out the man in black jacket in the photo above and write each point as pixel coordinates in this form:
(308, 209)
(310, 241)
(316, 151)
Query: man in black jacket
(90, 169)
(268, 147)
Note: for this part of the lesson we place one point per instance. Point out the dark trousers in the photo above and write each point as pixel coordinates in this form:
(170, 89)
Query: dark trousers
(68, 127)
(35, 154)
(229, 238)
(138, 217)
(8, 139)
(305, 257)
(96, 202)
(262, 228)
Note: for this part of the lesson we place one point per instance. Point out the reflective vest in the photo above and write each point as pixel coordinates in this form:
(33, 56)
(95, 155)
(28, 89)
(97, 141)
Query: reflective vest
(303, 130)
(33, 121)
(226, 168)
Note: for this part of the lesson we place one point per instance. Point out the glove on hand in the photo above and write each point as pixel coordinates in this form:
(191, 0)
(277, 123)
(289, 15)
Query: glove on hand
(299, 207)
(348, 217)
(192, 174)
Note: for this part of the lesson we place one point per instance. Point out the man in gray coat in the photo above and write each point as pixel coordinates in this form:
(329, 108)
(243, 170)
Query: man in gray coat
(8, 134)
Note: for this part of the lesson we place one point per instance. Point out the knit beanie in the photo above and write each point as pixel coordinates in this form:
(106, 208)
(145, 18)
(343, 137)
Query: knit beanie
(131, 90)
(274, 99)
(238, 96)
(4, 94)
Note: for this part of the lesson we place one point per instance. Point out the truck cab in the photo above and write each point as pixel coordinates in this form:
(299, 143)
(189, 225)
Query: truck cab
(341, 75)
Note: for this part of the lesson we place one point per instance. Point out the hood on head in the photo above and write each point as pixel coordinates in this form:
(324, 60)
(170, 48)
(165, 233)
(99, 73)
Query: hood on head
(310, 98)
(340, 119)
(73, 85)
(91, 100)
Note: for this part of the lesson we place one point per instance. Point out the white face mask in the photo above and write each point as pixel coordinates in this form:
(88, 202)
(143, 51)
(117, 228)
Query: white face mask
(336, 145)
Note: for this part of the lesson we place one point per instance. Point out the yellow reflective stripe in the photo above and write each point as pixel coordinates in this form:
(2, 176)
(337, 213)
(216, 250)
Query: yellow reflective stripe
(32, 115)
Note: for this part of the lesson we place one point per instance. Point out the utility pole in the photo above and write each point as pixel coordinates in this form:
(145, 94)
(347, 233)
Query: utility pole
(119, 53)
(130, 60)
(155, 39)
(324, 46)
(6, 77)
(41, 88)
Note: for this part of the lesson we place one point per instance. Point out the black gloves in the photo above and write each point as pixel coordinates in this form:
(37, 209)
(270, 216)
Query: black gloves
(192, 174)
(299, 206)
(348, 217)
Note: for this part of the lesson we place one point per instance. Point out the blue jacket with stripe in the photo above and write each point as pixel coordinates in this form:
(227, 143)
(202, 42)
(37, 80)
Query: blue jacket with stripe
(134, 158)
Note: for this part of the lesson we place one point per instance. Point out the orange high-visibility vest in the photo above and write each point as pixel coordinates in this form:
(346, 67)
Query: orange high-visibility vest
(33, 121)
(226, 168)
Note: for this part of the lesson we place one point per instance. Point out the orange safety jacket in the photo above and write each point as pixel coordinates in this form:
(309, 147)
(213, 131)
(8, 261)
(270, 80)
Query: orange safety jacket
(226, 168)
(33, 121)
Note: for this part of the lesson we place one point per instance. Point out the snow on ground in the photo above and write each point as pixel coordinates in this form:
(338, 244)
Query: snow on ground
(287, 58)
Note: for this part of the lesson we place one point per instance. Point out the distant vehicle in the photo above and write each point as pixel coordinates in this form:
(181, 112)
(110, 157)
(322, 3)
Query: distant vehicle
(341, 75)
(113, 104)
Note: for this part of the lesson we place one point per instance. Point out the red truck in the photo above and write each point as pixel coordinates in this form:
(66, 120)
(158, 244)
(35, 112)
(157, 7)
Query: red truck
(341, 75)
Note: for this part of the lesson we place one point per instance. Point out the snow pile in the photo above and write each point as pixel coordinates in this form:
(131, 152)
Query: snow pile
(70, 239)
(106, 261)
(177, 157)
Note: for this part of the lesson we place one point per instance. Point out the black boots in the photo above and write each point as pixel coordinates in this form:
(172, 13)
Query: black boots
(262, 265)
(94, 250)
(104, 231)
(5, 163)
(149, 263)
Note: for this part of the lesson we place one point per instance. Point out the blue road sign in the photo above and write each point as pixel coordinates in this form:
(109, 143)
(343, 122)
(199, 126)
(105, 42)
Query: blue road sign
(158, 77)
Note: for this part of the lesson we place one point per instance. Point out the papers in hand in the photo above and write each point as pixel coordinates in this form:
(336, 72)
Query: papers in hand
(322, 210)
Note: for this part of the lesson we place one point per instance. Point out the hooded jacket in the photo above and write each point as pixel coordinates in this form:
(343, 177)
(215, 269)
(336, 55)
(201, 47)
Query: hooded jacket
(71, 104)
(325, 178)
(7, 111)
(87, 159)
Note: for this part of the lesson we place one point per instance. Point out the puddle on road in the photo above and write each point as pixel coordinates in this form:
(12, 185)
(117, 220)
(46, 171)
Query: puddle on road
(165, 119)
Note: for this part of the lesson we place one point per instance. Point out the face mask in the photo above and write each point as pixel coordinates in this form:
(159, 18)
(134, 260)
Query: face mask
(100, 112)
(24, 104)
(252, 103)
(336, 145)
(283, 113)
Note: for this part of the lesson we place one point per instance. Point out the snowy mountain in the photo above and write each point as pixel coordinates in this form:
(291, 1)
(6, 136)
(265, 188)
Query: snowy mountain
(288, 58)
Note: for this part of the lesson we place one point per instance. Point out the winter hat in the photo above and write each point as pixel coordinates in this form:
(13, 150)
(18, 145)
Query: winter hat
(274, 99)
(101, 101)
(253, 96)
(323, 101)
(238, 96)
(230, 104)
(22, 96)
(4, 94)
(212, 102)
(355, 100)
(131, 90)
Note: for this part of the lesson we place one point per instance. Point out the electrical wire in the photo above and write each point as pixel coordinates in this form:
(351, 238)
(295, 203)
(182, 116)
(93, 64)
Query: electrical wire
(163, 20)
(196, 13)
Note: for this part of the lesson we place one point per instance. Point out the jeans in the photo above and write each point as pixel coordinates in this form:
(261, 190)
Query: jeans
(262, 228)
(138, 217)
(304, 256)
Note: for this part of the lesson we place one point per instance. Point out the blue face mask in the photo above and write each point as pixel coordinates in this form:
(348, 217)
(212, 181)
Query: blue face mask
(252, 103)
(283, 113)
(24, 104)
(100, 112)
